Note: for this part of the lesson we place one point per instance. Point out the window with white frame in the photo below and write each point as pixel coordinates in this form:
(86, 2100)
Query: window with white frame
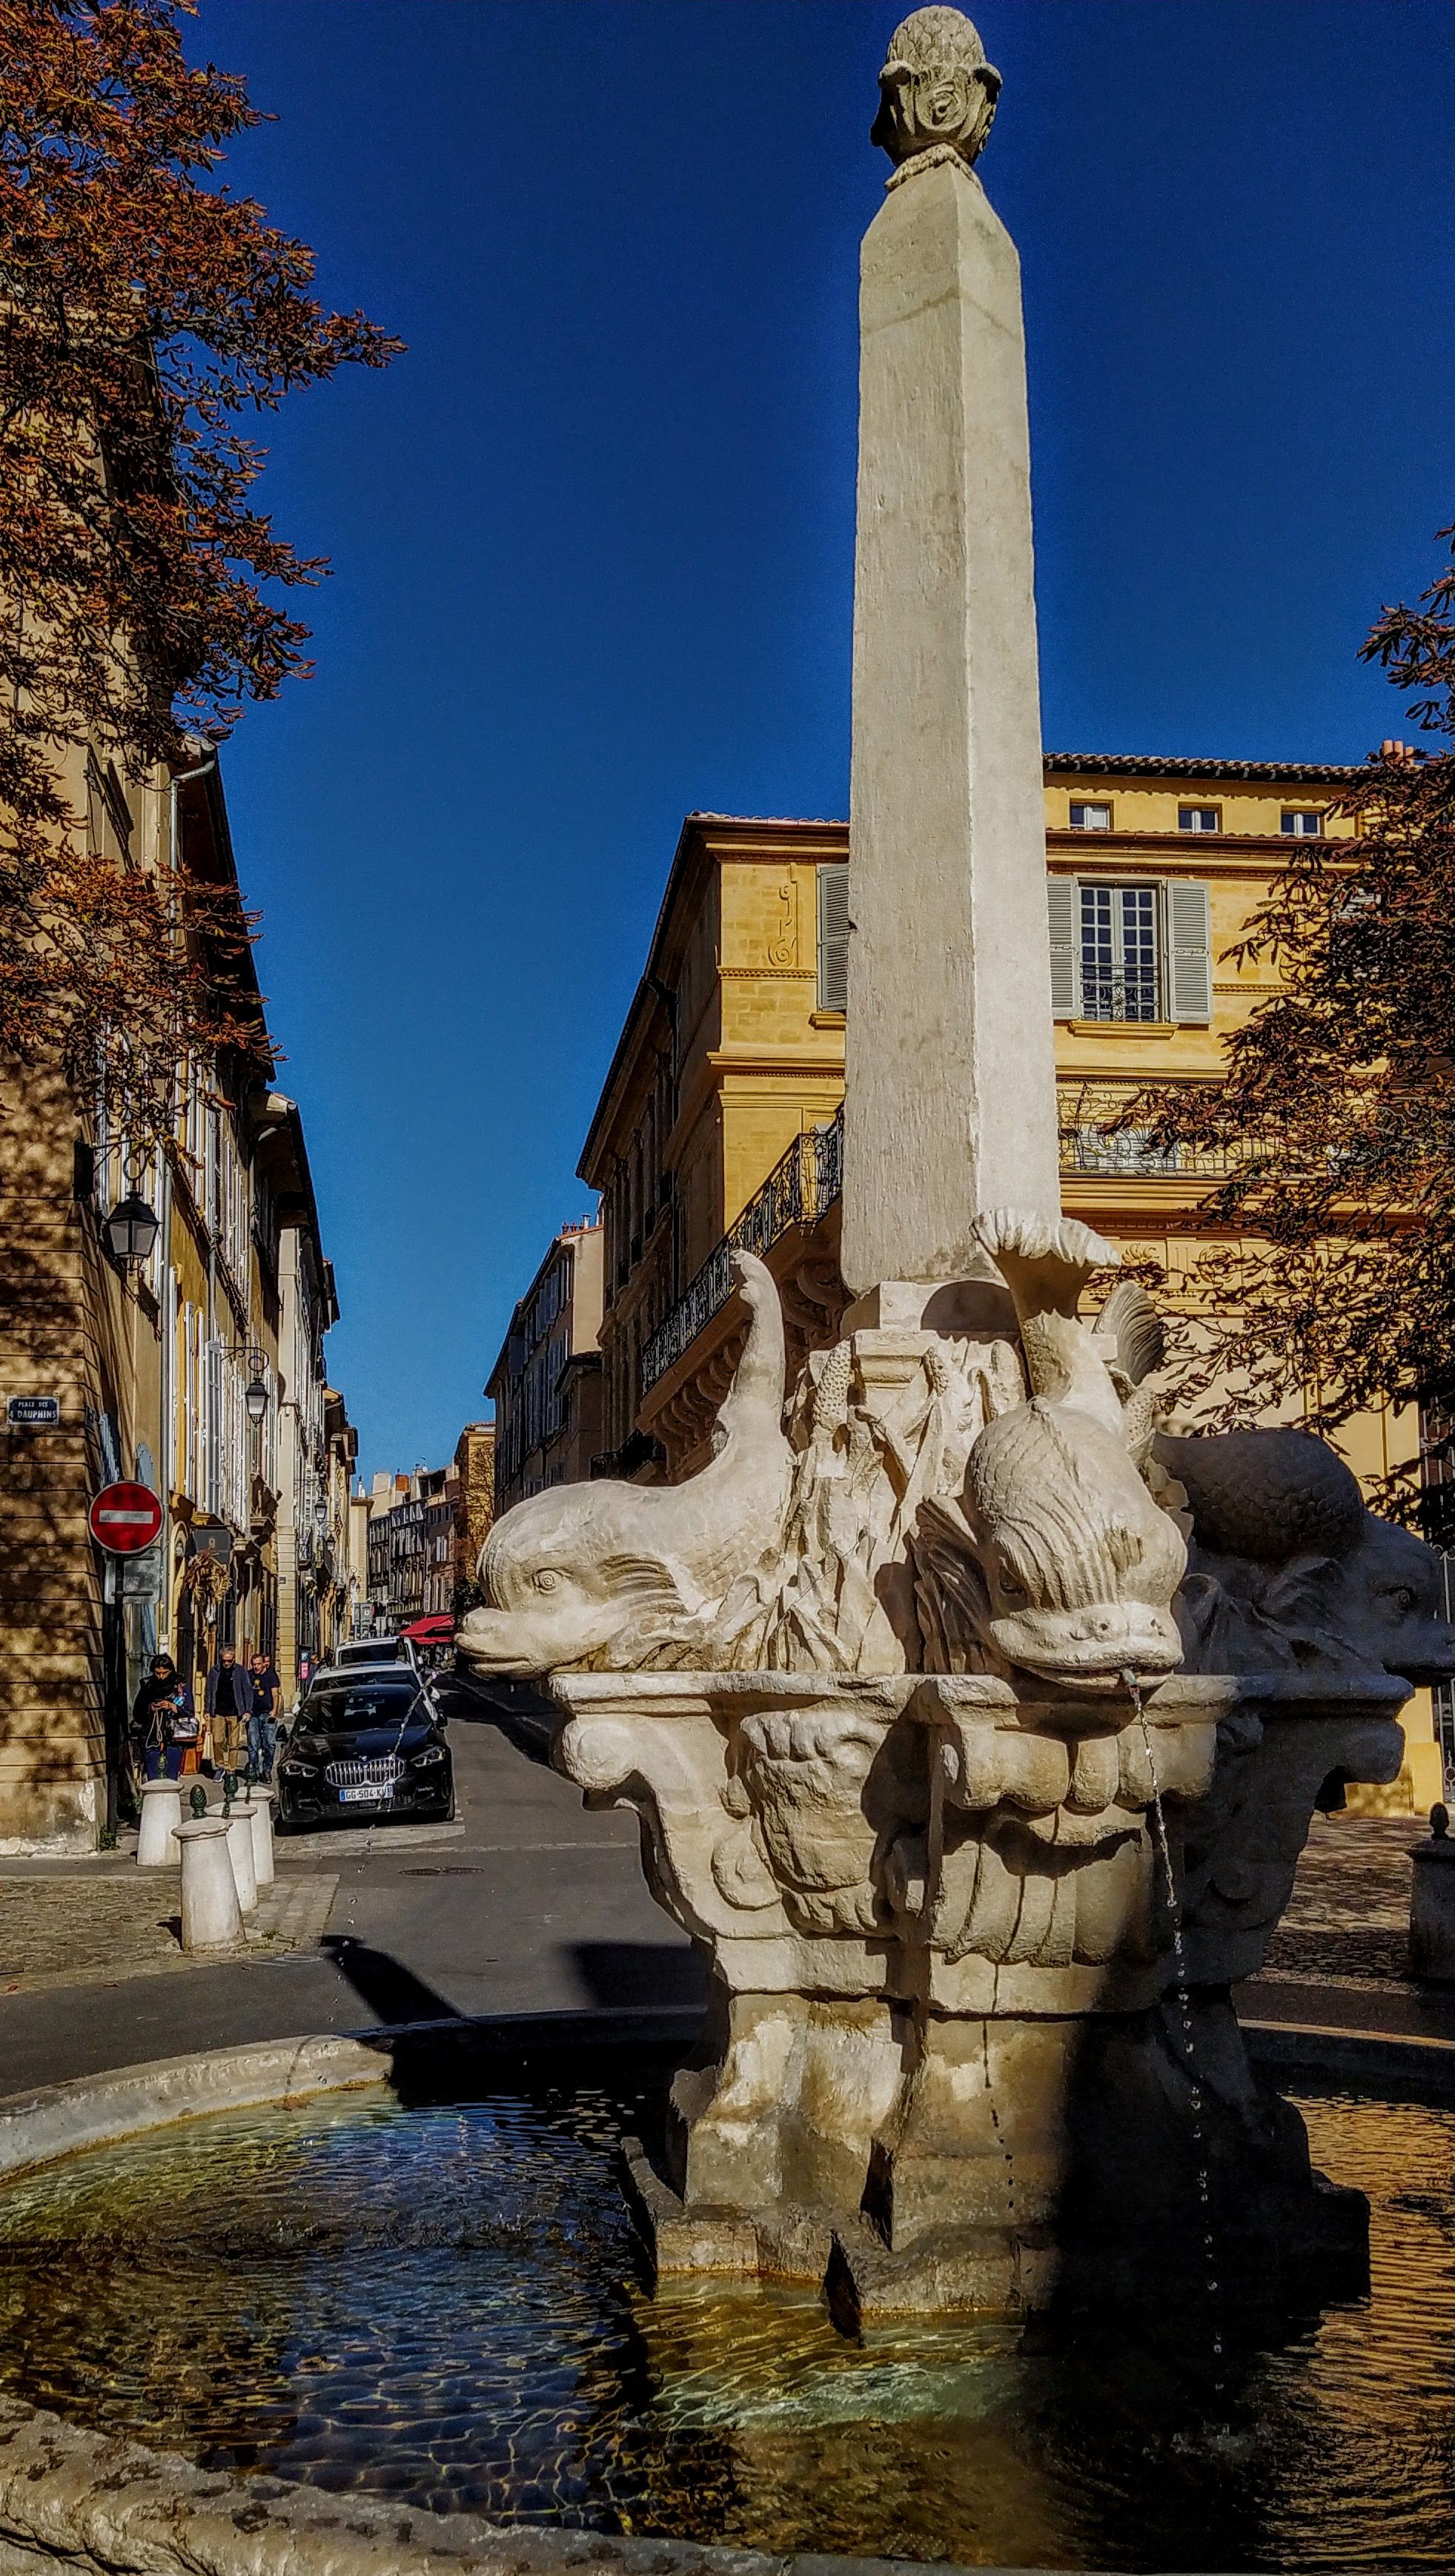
(1093, 817)
(1199, 818)
(1130, 953)
(1301, 823)
(1119, 978)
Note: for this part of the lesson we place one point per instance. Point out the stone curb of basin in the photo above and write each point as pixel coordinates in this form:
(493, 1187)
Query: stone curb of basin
(1287, 2049)
(109, 2507)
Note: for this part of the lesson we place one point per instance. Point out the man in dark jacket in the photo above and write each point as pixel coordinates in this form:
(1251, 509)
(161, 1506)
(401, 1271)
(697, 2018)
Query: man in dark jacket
(263, 1723)
(229, 1704)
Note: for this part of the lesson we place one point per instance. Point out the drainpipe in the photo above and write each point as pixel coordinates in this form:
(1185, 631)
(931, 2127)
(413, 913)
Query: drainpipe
(180, 778)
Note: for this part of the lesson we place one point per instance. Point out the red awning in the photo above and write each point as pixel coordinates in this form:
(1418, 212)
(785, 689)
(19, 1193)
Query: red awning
(436, 1630)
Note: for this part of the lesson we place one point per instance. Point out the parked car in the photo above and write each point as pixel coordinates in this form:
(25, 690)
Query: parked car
(366, 1744)
(372, 1650)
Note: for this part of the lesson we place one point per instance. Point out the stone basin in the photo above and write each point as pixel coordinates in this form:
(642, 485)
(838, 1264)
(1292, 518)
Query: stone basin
(363, 2320)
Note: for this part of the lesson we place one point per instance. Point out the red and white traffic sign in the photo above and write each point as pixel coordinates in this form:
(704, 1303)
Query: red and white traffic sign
(125, 1518)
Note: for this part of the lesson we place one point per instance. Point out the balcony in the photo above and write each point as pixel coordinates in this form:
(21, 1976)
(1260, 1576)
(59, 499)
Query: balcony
(1094, 1147)
(810, 1177)
(800, 1186)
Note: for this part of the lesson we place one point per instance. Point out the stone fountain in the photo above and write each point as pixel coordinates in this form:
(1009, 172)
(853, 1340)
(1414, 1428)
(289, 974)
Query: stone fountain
(975, 1726)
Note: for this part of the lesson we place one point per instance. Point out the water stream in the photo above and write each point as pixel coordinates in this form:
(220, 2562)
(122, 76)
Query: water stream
(1183, 2001)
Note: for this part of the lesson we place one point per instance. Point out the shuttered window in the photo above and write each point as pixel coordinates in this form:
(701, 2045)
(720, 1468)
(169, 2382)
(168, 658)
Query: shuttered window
(1129, 953)
(1189, 951)
(1065, 983)
(833, 936)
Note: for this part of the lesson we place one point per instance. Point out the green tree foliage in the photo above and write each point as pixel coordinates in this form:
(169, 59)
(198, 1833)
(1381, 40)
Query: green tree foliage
(1338, 1107)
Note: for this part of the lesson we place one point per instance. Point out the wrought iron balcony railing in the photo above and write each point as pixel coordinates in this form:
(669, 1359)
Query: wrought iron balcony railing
(805, 1181)
(1093, 1147)
(810, 1177)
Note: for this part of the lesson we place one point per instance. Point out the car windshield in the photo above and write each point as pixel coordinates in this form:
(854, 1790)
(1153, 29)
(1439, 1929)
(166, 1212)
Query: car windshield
(374, 1650)
(362, 1703)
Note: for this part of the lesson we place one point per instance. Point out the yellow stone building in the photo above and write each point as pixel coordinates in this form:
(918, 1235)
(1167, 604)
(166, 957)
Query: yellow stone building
(717, 1121)
(197, 1371)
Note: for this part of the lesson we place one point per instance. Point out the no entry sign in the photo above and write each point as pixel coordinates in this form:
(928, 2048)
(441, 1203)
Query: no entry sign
(125, 1518)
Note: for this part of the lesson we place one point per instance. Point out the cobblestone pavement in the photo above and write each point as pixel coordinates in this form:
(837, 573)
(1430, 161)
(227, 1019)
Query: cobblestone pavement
(1348, 1922)
(70, 1930)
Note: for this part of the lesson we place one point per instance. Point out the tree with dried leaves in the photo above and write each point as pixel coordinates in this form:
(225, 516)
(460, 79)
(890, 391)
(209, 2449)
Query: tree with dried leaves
(146, 315)
(1338, 1106)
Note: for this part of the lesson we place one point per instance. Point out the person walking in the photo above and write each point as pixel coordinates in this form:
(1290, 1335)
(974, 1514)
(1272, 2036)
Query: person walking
(229, 1705)
(263, 1722)
(164, 1719)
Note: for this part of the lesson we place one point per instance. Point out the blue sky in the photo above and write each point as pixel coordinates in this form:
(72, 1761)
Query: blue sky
(592, 536)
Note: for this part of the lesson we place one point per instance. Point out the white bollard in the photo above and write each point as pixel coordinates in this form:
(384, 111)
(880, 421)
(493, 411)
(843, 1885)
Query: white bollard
(240, 1844)
(161, 1814)
(1432, 1904)
(259, 1804)
(211, 1915)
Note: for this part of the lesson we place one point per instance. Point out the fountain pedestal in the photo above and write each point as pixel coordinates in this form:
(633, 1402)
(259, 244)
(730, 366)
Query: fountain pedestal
(932, 1905)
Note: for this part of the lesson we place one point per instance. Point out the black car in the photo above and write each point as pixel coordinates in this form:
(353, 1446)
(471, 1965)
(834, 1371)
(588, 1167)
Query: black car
(366, 1746)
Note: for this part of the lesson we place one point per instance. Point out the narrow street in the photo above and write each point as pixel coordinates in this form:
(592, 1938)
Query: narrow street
(527, 1905)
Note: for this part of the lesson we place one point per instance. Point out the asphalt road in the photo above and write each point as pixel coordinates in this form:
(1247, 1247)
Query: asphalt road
(528, 1905)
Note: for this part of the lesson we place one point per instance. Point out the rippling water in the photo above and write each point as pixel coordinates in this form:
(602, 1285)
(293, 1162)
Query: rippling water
(443, 2305)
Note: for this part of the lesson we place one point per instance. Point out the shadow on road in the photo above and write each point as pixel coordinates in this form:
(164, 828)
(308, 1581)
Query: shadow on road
(522, 1712)
(389, 1989)
(640, 1972)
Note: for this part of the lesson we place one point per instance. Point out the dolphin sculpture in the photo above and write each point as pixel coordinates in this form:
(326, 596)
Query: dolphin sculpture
(1056, 1556)
(603, 1576)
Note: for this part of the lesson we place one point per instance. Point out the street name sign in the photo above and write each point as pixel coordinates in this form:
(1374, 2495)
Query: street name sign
(33, 1412)
(125, 1518)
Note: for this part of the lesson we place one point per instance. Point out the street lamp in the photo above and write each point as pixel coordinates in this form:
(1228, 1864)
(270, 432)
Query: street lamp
(256, 1398)
(131, 1229)
(320, 1515)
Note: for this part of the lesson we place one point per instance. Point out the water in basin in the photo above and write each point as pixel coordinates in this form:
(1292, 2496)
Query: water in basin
(444, 2304)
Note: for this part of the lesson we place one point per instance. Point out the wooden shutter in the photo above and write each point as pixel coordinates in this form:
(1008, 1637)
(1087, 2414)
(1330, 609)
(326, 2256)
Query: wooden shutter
(833, 936)
(1061, 903)
(1189, 951)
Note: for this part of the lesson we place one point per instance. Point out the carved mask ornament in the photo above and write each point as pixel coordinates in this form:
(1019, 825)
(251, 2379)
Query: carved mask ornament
(937, 91)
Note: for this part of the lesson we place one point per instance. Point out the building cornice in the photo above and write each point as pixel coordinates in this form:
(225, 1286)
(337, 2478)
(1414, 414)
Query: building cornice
(1142, 764)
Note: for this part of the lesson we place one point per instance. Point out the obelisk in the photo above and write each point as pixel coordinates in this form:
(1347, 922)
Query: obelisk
(950, 1088)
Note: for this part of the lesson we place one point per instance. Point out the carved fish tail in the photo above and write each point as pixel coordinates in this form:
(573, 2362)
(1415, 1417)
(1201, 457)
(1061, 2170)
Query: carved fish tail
(756, 1393)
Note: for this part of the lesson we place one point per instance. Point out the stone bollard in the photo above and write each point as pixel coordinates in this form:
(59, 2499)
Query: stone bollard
(1432, 1903)
(240, 1845)
(259, 1804)
(161, 1814)
(211, 1915)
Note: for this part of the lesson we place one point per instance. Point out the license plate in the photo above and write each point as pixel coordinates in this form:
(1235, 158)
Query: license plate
(367, 1796)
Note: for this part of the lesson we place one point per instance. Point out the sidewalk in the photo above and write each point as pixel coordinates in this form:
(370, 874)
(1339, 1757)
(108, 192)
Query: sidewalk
(528, 1905)
(65, 1930)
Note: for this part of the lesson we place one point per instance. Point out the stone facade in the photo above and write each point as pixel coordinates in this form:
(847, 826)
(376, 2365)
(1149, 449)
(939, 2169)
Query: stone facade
(546, 1382)
(1199, 840)
(474, 1502)
(150, 1366)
